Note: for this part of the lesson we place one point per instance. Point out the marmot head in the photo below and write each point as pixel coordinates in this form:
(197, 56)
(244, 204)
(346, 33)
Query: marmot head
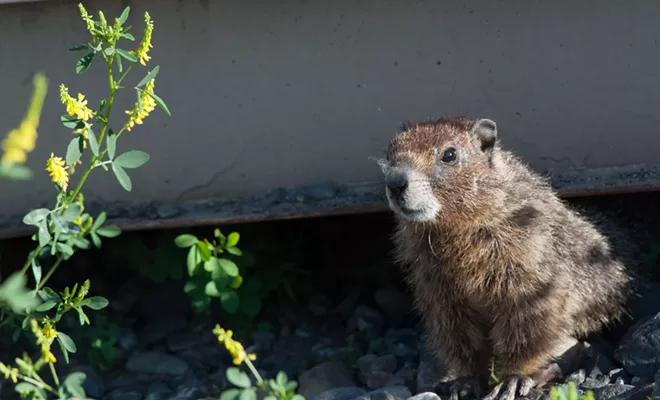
(441, 168)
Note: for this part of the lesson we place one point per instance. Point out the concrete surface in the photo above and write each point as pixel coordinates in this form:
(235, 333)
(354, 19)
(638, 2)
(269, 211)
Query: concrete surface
(268, 94)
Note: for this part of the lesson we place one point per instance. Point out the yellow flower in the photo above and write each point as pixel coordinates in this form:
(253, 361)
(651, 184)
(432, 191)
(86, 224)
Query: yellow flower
(235, 348)
(148, 105)
(46, 355)
(48, 329)
(75, 107)
(58, 174)
(9, 373)
(23, 139)
(86, 17)
(145, 44)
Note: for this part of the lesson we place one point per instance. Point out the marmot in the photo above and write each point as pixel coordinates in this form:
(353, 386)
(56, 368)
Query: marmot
(503, 273)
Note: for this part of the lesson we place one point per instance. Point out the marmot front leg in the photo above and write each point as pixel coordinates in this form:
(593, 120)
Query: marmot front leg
(526, 345)
(460, 345)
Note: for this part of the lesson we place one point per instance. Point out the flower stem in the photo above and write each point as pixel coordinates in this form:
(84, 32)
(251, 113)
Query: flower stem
(52, 371)
(50, 272)
(254, 370)
(27, 264)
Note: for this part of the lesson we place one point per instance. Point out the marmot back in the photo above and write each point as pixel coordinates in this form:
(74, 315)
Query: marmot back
(500, 268)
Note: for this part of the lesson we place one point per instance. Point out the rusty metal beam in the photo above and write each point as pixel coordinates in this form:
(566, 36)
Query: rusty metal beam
(328, 199)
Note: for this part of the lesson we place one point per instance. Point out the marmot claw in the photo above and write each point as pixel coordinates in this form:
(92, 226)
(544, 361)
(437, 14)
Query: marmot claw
(510, 388)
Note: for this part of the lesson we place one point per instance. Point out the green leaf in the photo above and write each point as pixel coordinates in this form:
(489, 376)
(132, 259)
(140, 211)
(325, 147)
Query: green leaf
(109, 231)
(36, 271)
(82, 317)
(35, 216)
(73, 384)
(291, 386)
(229, 301)
(46, 306)
(65, 249)
(66, 342)
(132, 159)
(15, 172)
(231, 394)
(80, 47)
(229, 267)
(204, 251)
(270, 397)
(297, 397)
(99, 221)
(185, 240)
(192, 260)
(151, 75)
(71, 122)
(128, 36)
(248, 394)
(109, 51)
(73, 151)
(96, 240)
(238, 378)
(95, 302)
(47, 294)
(43, 234)
(211, 265)
(158, 101)
(120, 66)
(111, 144)
(84, 63)
(72, 212)
(122, 177)
(93, 143)
(130, 57)
(232, 239)
(237, 282)
(124, 16)
(211, 289)
(27, 388)
(235, 251)
(281, 378)
(81, 242)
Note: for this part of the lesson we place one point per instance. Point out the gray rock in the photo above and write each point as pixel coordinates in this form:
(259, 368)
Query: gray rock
(158, 391)
(597, 363)
(161, 328)
(639, 350)
(387, 393)
(425, 396)
(343, 393)
(122, 395)
(612, 391)
(168, 211)
(393, 303)
(347, 306)
(325, 376)
(578, 377)
(366, 319)
(596, 383)
(156, 363)
(182, 341)
(377, 372)
(127, 339)
(263, 340)
(186, 392)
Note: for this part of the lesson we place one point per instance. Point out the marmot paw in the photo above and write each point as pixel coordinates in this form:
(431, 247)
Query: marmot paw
(461, 388)
(510, 388)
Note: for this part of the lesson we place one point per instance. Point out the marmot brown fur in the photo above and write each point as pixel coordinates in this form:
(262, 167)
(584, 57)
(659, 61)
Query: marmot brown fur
(501, 269)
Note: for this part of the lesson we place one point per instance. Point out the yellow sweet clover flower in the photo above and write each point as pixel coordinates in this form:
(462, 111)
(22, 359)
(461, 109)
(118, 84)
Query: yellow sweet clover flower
(9, 372)
(23, 139)
(57, 170)
(48, 329)
(75, 107)
(46, 355)
(145, 44)
(86, 17)
(148, 105)
(235, 348)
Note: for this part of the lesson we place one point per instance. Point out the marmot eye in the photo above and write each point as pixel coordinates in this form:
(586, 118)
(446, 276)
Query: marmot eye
(448, 155)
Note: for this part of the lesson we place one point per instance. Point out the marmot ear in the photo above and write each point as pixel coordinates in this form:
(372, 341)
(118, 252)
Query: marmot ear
(486, 131)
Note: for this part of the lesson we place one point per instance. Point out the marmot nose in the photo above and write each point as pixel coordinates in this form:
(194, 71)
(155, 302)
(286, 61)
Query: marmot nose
(396, 182)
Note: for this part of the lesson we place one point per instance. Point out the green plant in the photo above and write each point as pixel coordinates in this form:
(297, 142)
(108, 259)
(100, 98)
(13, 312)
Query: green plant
(569, 392)
(214, 274)
(66, 228)
(103, 336)
(279, 388)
